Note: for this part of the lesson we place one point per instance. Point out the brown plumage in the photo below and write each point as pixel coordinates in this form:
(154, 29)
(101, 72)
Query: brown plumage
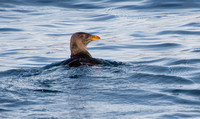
(79, 53)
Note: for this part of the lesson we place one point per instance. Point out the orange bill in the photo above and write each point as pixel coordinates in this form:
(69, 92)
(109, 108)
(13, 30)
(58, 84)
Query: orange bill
(95, 38)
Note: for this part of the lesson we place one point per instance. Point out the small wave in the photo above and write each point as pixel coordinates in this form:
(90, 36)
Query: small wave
(47, 91)
(183, 96)
(52, 68)
(194, 24)
(57, 34)
(92, 4)
(59, 3)
(185, 62)
(103, 18)
(162, 79)
(153, 68)
(161, 46)
(181, 32)
(83, 6)
(112, 63)
(38, 58)
(151, 61)
(20, 72)
(23, 11)
(27, 72)
(9, 29)
(182, 100)
(9, 17)
(9, 53)
(195, 50)
(164, 45)
(160, 4)
(2, 10)
(191, 92)
(195, 77)
(4, 110)
(51, 26)
(52, 65)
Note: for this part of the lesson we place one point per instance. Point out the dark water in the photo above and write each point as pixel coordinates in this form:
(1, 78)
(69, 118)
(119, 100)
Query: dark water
(151, 51)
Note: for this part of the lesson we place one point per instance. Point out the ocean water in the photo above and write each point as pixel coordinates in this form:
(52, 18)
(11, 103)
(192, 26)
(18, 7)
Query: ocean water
(151, 51)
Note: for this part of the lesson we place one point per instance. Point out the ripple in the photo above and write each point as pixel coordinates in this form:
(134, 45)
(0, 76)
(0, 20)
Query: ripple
(163, 79)
(195, 77)
(187, 101)
(4, 110)
(51, 26)
(151, 61)
(185, 62)
(19, 103)
(149, 4)
(57, 34)
(196, 50)
(112, 63)
(151, 82)
(9, 29)
(153, 68)
(48, 91)
(83, 6)
(23, 11)
(180, 115)
(139, 35)
(5, 5)
(103, 17)
(160, 4)
(191, 92)
(9, 53)
(182, 69)
(60, 3)
(38, 58)
(27, 72)
(184, 96)
(20, 72)
(161, 46)
(181, 32)
(193, 24)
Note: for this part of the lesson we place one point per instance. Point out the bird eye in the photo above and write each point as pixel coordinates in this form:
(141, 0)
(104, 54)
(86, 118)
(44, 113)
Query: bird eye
(81, 36)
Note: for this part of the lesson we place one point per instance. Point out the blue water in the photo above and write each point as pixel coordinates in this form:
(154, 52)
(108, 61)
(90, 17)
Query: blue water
(151, 51)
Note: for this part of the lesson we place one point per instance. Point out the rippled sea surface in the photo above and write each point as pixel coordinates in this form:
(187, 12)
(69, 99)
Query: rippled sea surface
(151, 51)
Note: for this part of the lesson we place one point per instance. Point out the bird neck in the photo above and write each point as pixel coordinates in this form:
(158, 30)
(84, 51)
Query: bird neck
(83, 54)
(79, 50)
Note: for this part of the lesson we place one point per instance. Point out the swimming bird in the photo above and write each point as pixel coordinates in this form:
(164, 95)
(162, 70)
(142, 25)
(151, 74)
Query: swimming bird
(79, 53)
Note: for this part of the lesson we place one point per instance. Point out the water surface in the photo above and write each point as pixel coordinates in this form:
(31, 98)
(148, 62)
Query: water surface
(150, 49)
